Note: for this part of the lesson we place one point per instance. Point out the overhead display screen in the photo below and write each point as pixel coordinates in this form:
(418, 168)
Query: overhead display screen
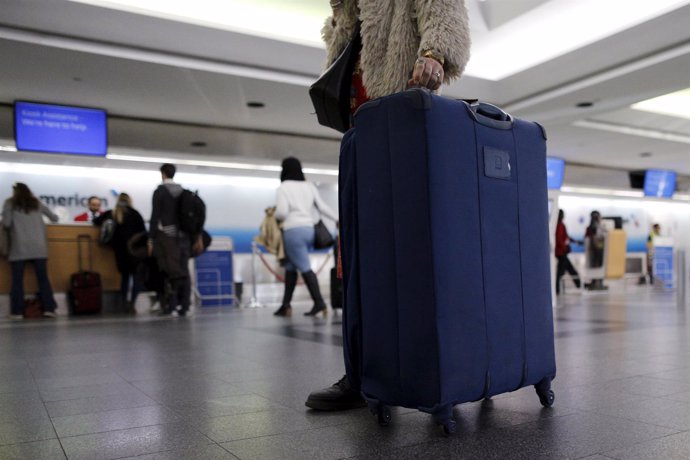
(60, 129)
(659, 183)
(555, 169)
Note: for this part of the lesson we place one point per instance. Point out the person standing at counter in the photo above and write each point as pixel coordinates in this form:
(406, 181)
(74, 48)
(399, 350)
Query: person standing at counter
(22, 215)
(93, 212)
(169, 244)
(128, 222)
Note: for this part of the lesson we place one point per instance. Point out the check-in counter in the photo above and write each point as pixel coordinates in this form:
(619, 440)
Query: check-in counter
(63, 260)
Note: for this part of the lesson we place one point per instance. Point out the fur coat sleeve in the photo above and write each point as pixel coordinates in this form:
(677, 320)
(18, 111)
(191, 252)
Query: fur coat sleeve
(338, 29)
(444, 28)
(395, 33)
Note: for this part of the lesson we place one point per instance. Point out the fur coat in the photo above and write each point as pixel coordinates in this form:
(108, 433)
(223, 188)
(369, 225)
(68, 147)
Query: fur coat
(394, 33)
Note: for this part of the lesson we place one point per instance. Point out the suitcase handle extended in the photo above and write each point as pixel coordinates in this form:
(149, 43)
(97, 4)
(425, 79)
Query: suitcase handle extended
(84, 239)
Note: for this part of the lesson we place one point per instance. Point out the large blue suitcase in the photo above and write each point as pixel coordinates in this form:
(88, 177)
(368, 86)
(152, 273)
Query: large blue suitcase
(444, 221)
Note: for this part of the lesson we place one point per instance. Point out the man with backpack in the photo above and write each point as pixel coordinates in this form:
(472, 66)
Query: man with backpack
(177, 218)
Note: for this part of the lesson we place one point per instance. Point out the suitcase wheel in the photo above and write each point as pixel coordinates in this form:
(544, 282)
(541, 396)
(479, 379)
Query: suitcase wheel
(382, 413)
(449, 427)
(545, 393)
(443, 416)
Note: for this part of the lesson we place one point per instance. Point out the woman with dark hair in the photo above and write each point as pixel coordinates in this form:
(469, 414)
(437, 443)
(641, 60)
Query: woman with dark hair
(128, 222)
(296, 201)
(22, 215)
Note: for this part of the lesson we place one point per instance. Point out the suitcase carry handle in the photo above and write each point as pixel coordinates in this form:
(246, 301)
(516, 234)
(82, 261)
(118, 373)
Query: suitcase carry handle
(490, 115)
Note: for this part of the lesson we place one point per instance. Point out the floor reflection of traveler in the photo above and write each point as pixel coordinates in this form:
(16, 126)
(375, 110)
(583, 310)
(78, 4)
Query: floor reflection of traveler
(428, 41)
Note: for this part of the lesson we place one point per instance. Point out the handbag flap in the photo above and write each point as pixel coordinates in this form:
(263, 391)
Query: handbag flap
(330, 94)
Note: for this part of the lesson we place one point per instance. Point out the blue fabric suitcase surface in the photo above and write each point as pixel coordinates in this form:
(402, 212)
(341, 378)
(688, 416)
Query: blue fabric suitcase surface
(444, 220)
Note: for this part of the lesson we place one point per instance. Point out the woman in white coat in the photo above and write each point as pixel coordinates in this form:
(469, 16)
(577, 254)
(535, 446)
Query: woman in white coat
(297, 202)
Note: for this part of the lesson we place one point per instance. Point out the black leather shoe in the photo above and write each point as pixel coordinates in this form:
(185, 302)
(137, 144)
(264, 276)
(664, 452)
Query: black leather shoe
(340, 396)
(284, 310)
(317, 309)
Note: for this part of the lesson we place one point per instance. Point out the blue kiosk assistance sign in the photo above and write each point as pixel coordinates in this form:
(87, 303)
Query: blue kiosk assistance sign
(663, 265)
(214, 274)
(60, 129)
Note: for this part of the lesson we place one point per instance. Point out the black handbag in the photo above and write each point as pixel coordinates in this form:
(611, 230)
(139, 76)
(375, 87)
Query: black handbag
(330, 94)
(322, 237)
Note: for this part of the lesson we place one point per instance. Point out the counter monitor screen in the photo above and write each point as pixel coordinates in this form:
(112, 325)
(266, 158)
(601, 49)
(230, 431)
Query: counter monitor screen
(60, 129)
(659, 183)
(555, 169)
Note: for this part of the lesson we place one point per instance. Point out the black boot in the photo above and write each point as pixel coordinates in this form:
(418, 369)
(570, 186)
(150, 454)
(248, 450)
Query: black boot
(313, 286)
(290, 283)
(340, 396)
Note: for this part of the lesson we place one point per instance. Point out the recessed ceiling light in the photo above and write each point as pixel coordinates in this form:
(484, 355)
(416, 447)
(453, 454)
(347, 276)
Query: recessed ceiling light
(198, 144)
(584, 105)
(255, 104)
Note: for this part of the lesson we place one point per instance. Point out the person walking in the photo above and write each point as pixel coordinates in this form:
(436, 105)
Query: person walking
(22, 215)
(170, 245)
(562, 250)
(656, 231)
(128, 222)
(296, 203)
(404, 43)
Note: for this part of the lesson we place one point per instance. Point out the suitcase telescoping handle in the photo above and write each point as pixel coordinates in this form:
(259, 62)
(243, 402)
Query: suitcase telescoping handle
(84, 239)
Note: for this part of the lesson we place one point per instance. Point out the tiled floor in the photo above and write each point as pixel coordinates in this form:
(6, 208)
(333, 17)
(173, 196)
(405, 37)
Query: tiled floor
(232, 385)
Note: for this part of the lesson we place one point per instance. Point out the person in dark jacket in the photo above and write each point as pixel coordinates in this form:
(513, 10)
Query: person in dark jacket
(170, 245)
(22, 216)
(128, 222)
(563, 241)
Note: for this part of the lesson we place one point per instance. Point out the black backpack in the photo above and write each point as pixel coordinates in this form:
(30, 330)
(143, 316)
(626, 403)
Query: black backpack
(191, 213)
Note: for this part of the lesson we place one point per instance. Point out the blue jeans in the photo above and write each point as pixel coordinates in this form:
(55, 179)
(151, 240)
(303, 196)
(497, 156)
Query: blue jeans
(44, 288)
(297, 243)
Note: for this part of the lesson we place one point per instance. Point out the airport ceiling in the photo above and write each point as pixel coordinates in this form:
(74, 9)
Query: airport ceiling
(171, 78)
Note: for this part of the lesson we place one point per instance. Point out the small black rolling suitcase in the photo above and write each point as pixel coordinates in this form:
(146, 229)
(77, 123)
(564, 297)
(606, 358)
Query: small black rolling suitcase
(85, 296)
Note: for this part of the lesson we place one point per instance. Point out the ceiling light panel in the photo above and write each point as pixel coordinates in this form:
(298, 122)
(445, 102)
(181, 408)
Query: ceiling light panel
(675, 104)
(556, 28)
(633, 131)
(297, 22)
